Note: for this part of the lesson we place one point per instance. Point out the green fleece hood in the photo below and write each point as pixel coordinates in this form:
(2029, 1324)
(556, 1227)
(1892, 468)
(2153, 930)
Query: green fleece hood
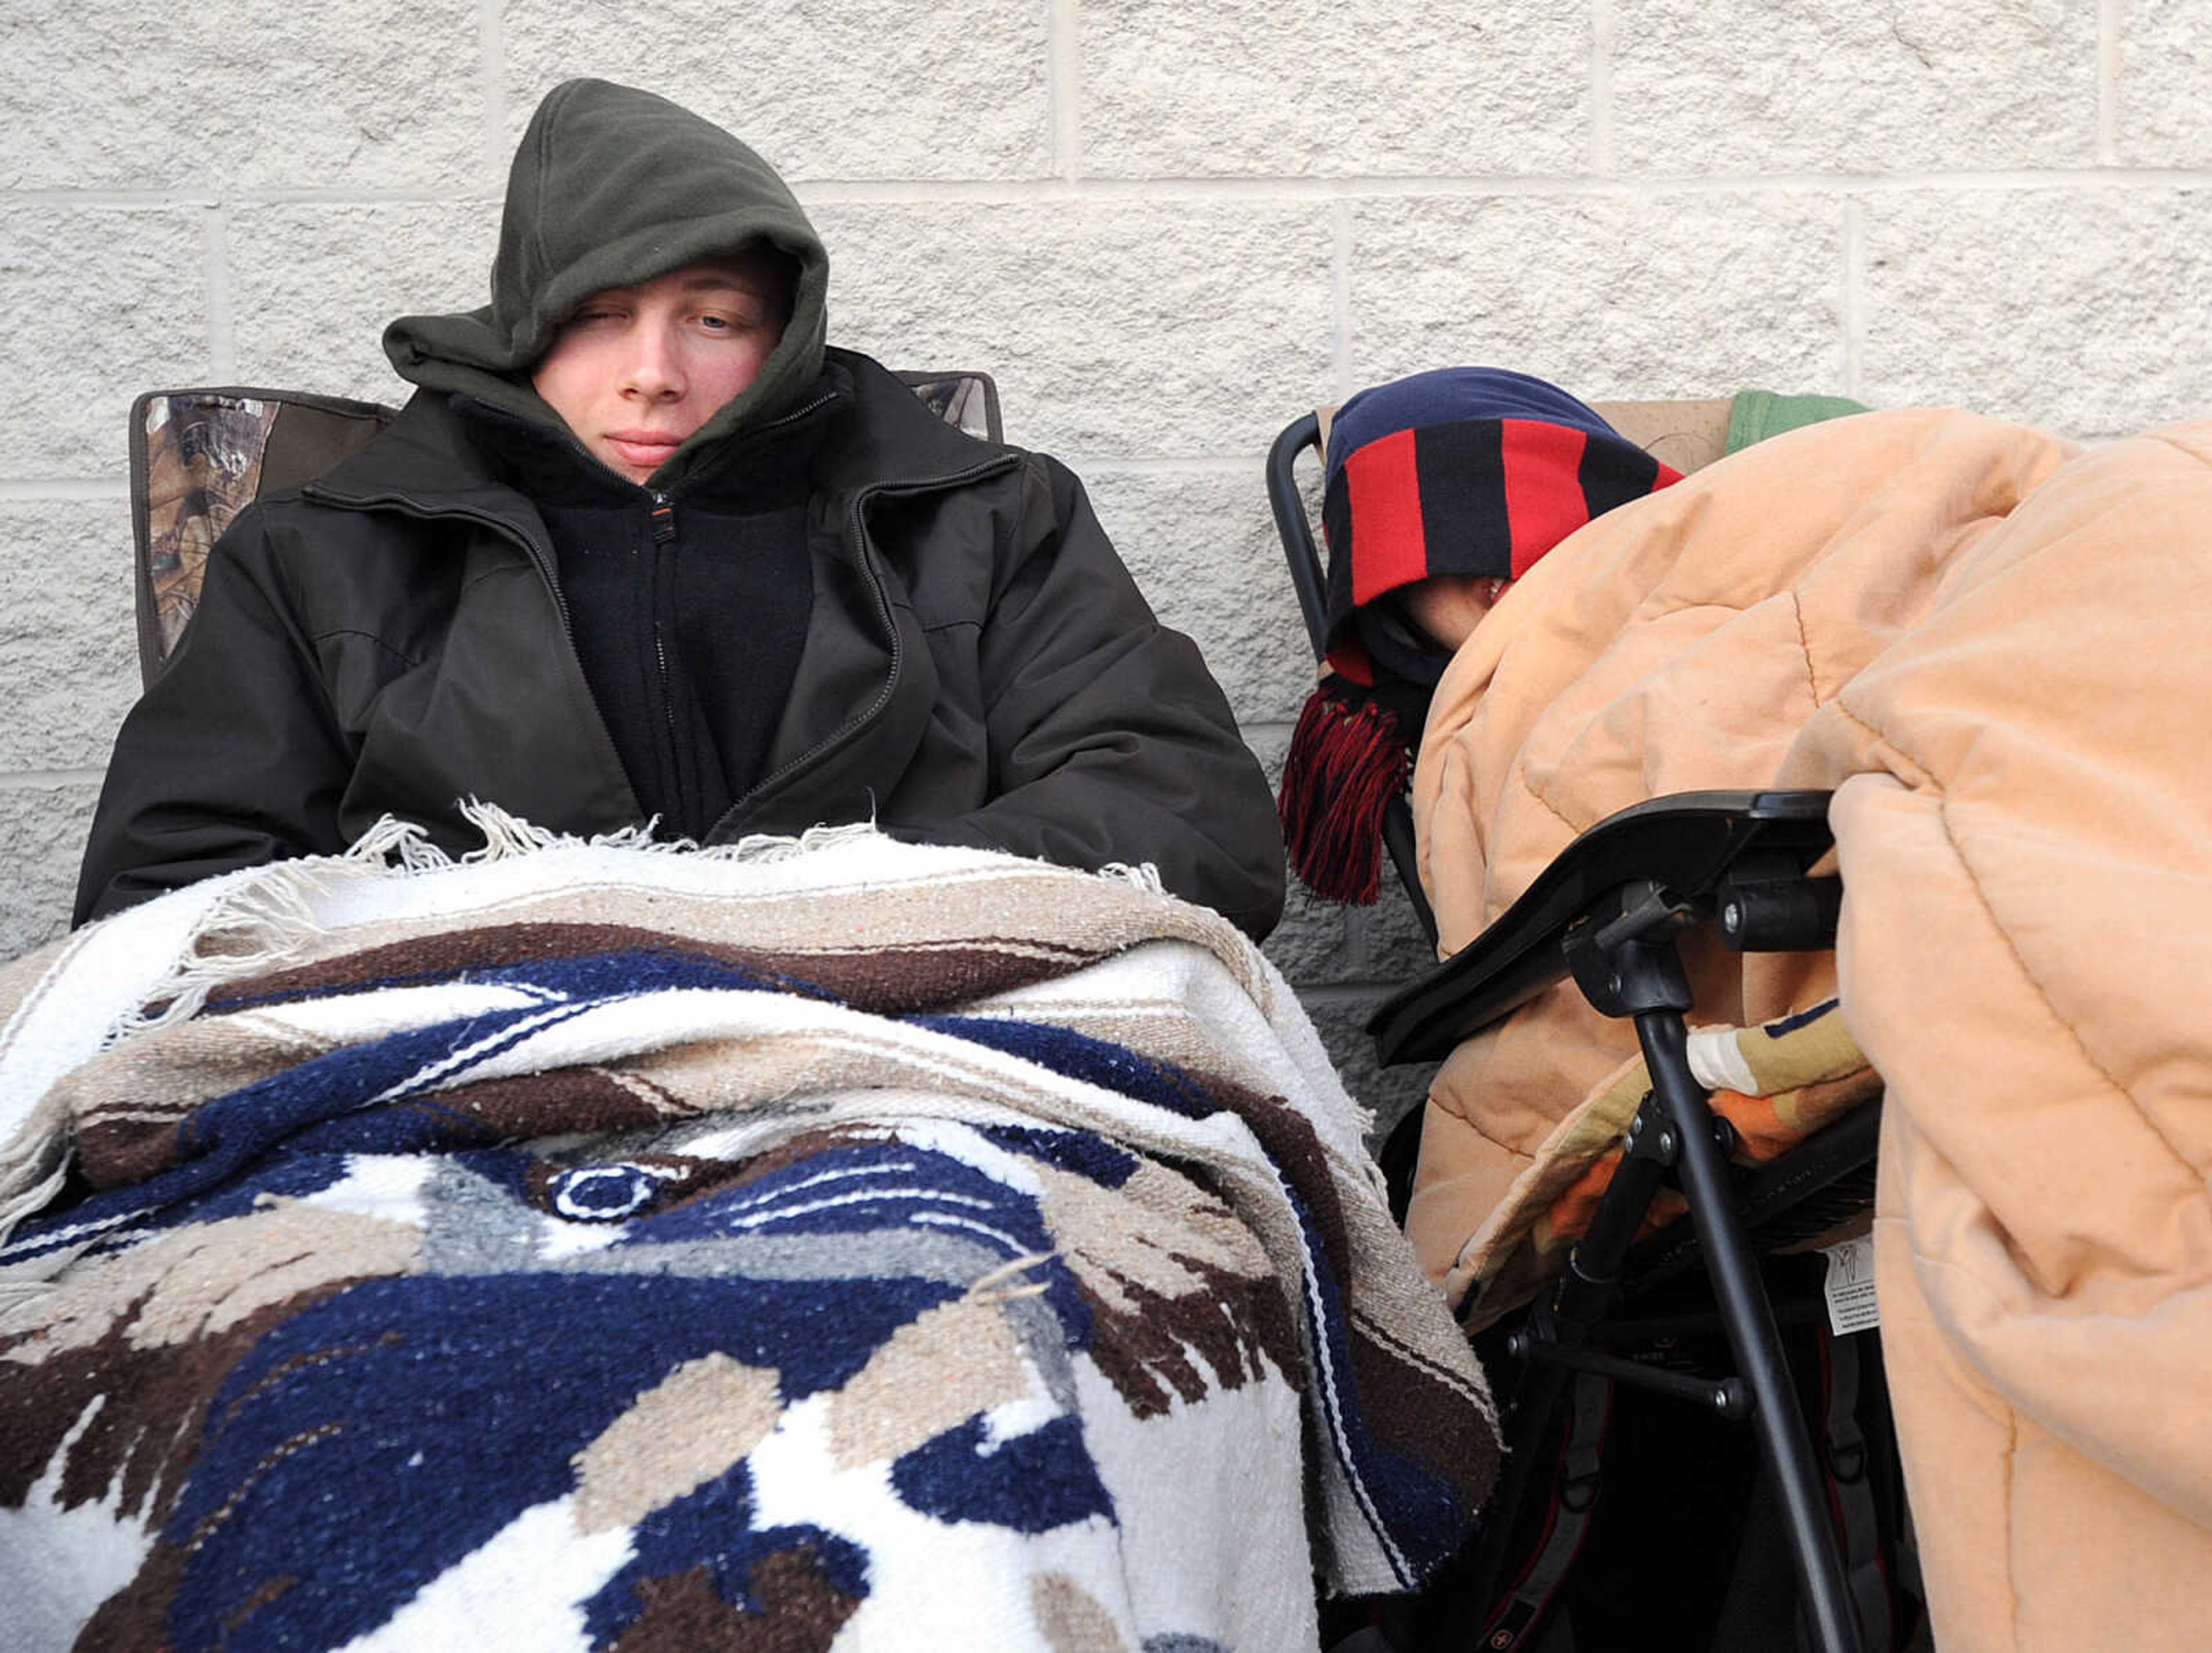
(612, 186)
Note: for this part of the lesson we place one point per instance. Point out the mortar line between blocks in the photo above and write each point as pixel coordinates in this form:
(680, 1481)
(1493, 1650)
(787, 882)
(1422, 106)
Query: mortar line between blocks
(1602, 158)
(1063, 82)
(222, 318)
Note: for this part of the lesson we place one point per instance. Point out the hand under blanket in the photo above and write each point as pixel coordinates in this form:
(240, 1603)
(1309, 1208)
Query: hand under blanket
(598, 1246)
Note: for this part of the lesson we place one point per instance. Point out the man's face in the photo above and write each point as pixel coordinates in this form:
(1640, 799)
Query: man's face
(637, 369)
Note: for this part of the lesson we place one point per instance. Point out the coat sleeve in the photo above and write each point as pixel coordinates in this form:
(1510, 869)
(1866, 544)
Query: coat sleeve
(231, 758)
(1109, 740)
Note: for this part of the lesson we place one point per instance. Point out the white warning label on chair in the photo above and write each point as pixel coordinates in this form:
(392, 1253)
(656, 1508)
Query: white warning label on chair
(1850, 1288)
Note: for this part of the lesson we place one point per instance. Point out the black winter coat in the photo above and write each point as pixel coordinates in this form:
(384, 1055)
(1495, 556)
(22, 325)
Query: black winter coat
(979, 669)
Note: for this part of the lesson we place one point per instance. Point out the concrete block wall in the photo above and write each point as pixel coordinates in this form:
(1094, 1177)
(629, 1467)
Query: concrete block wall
(1167, 226)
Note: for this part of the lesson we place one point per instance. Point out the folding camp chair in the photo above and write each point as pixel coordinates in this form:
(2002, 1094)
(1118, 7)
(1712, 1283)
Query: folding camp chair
(1608, 912)
(199, 456)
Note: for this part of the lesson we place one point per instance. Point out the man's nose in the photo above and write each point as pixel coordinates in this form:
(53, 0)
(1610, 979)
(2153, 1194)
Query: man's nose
(654, 369)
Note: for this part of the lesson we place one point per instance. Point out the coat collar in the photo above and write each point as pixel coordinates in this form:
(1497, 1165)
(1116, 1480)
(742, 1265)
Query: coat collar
(886, 437)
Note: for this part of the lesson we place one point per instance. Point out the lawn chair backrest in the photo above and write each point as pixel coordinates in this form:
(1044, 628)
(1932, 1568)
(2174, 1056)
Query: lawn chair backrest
(199, 456)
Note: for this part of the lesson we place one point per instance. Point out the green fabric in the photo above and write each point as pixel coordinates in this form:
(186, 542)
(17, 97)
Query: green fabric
(611, 187)
(1757, 415)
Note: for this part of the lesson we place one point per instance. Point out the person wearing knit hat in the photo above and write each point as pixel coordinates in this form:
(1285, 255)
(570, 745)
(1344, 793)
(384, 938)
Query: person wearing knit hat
(1439, 491)
(644, 547)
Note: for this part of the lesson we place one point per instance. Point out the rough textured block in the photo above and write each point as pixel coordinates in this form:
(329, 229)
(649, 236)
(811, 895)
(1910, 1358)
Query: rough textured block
(316, 285)
(1115, 329)
(1313, 946)
(105, 303)
(1341, 1019)
(2082, 310)
(1649, 295)
(44, 827)
(1359, 87)
(1203, 550)
(1840, 85)
(1394, 947)
(2165, 61)
(67, 643)
(249, 93)
(1316, 945)
(953, 90)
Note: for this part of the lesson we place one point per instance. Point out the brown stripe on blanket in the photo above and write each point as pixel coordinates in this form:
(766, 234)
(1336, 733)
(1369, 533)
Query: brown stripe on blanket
(1289, 1140)
(1017, 905)
(442, 956)
(1424, 1416)
(889, 979)
(555, 1103)
(131, 1100)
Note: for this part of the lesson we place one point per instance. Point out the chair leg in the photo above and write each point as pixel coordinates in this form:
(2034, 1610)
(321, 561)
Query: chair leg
(1749, 1319)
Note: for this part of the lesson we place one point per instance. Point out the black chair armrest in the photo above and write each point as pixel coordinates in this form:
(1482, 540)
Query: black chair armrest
(1681, 851)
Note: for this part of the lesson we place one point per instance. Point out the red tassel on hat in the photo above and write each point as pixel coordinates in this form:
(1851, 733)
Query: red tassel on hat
(1347, 762)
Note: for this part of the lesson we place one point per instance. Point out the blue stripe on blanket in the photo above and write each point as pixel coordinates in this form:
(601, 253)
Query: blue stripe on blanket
(330, 1104)
(1418, 1517)
(1072, 1150)
(1077, 1056)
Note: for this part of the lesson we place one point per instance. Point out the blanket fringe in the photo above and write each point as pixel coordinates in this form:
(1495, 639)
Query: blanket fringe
(507, 836)
(270, 922)
(1143, 874)
(32, 1197)
(263, 926)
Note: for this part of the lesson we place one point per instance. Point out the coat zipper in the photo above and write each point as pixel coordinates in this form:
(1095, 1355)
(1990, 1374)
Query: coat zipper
(858, 537)
(662, 516)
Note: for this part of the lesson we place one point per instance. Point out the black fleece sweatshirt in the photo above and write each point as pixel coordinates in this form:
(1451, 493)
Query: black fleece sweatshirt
(688, 606)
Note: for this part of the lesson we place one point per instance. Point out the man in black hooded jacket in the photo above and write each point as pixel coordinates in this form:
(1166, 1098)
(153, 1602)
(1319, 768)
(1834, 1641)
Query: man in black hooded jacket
(642, 546)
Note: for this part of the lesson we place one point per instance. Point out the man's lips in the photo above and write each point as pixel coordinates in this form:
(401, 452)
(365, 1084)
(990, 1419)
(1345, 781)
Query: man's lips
(643, 446)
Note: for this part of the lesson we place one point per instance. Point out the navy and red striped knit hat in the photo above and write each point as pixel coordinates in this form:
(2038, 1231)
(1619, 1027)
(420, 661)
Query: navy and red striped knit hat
(1474, 472)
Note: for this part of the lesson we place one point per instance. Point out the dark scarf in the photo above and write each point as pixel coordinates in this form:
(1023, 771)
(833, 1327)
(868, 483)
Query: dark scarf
(1465, 470)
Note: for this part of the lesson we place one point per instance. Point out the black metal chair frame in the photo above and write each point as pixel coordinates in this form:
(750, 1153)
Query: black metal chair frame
(1609, 912)
(1310, 576)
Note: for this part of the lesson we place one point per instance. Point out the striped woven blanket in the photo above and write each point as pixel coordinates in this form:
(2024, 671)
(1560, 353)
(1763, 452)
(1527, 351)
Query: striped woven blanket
(593, 1246)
